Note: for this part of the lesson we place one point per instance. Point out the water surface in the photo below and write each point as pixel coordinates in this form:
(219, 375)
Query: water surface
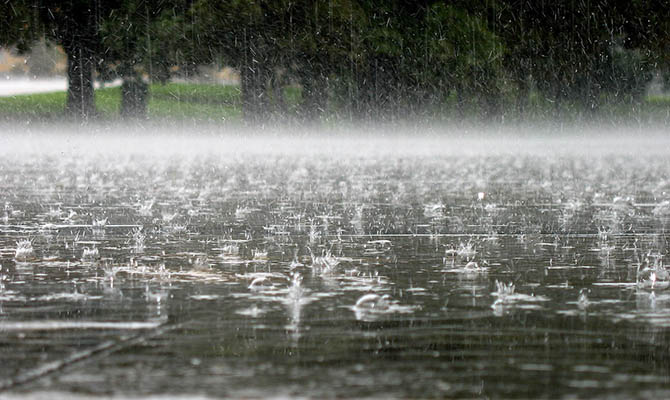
(264, 268)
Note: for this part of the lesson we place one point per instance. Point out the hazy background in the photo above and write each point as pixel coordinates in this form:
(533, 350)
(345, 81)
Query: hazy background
(455, 63)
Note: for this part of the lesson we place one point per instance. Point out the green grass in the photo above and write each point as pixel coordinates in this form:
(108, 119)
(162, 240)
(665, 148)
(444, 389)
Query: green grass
(191, 102)
(183, 110)
(45, 105)
(172, 101)
(196, 93)
(107, 102)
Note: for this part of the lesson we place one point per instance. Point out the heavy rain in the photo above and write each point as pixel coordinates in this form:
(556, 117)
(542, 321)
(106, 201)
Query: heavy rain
(334, 199)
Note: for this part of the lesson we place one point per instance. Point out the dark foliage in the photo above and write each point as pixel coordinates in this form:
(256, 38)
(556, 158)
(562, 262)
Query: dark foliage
(360, 59)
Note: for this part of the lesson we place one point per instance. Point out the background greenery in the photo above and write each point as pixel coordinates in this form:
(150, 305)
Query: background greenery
(330, 60)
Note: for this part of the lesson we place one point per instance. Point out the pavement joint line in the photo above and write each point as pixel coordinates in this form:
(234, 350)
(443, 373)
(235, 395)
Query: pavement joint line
(81, 356)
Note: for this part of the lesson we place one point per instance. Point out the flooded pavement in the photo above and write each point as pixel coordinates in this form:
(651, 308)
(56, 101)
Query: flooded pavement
(526, 273)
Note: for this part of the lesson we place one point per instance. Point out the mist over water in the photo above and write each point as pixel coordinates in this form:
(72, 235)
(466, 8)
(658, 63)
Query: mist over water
(351, 140)
(370, 262)
(342, 199)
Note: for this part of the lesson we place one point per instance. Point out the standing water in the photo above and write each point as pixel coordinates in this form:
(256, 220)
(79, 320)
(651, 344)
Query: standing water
(268, 267)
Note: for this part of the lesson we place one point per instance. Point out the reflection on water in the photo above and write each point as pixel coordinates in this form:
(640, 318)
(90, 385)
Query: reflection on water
(284, 275)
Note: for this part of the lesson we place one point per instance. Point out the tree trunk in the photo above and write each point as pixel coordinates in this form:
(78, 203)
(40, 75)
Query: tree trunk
(134, 95)
(460, 99)
(523, 93)
(249, 94)
(253, 75)
(314, 96)
(80, 93)
(364, 95)
(254, 98)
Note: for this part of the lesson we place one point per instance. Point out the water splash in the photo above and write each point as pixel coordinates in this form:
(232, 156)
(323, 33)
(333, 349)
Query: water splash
(325, 263)
(138, 240)
(90, 254)
(583, 299)
(24, 250)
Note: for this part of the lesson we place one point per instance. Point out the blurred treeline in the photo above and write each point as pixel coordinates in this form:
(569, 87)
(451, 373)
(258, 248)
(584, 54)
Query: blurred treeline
(361, 59)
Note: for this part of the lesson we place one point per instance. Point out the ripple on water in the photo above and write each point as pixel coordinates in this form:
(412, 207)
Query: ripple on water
(274, 262)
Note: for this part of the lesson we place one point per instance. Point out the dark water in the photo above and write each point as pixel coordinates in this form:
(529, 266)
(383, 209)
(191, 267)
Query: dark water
(286, 274)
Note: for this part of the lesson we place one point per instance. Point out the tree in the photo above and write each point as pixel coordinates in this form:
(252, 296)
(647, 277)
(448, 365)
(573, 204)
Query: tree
(140, 41)
(369, 58)
(243, 34)
(73, 24)
(462, 55)
(582, 52)
(19, 22)
(320, 39)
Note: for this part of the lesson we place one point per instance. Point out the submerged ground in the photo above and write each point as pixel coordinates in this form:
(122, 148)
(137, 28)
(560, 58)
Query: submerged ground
(340, 266)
